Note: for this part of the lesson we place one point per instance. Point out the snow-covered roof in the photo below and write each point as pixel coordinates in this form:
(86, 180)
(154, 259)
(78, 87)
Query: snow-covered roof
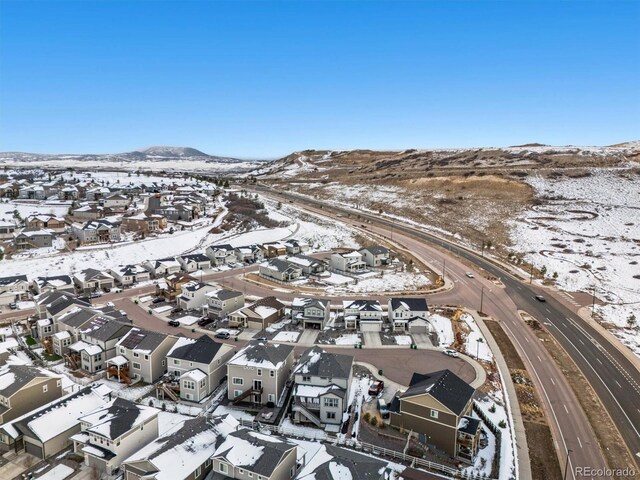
(117, 418)
(196, 374)
(262, 355)
(81, 346)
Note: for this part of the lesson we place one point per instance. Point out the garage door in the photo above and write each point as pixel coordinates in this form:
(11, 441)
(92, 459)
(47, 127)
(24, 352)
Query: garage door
(418, 329)
(370, 327)
(33, 449)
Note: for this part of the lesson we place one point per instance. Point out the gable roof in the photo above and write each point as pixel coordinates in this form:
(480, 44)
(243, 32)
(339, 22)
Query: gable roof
(319, 363)
(224, 294)
(260, 354)
(363, 305)
(14, 377)
(410, 304)
(376, 250)
(141, 340)
(445, 386)
(202, 350)
(117, 418)
(5, 281)
(331, 463)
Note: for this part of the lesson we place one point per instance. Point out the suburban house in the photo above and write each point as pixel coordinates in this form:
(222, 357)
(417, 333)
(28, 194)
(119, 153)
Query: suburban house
(7, 230)
(258, 373)
(162, 267)
(363, 315)
(347, 262)
(375, 256)
(259, 314)
(116, 202)
(24, 388)
(221, 254)
(97, 231)
(222, 302)
(311, 312)
(280, 270)
(54, 303)
(48, 222)
(96, 193)
(146, 353)
(171, 286)
(199, 365)
(144, 223)
(129, 274)
(194, 262)
(272, 457)
(438, 406)
(309, 265)
(409, 315)
(113, 432)
(58, 283)
(91, 280)
(295, 247)
(193, 295)
(32, 192)
(249, 253)
(321, 388)
(13, 289)
(48, 429)
(274, 249)
(182, 453)
(28, 239)
(87, 212)
(330, 459)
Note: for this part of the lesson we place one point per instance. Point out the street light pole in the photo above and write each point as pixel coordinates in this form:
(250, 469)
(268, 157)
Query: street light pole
(481, 298)
(566, 464)
(444, 265)
(593, 301)
(531, 275)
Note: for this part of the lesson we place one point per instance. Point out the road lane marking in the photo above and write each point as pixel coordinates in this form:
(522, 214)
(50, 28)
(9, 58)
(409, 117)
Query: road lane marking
(580, 340)
(618, 383)
(579, 442)
(599, 361)
(539, 358)
(526, 339)
(565, 408)
(551, 378)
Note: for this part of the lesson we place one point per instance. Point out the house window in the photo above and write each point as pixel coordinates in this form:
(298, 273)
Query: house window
(241, 471)
(176, 362)
(331, 415)
(272, 373)
(271, 397)
(121, 349)
(136, 366)
(237, 393)
(259, 372)
(58, 383)
(434, 414)
(45, 388)
(238, 381)
(198, 471)
(146, 357)
(250, 474)
(306, 379)
(136, 354)
(207, 463)
(189, 385)
(330, 402)
(202, 383)
(223, 468)
(164, 362)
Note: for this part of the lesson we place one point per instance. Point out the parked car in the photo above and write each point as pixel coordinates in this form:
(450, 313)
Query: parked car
(174, 323)
(376, 387)
(176, 310)
(540, 298)
(451, 353)
(13, 306)
(223, 335)
(157, 300)
(205, 321)
(469, 274)
(382, 407)
(261, 339)
(95, 295)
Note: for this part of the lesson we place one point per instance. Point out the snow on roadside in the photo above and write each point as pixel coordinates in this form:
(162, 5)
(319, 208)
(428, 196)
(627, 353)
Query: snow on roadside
(476, 344)
(443, 328)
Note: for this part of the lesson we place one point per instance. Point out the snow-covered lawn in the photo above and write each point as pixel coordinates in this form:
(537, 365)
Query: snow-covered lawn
(337, 279)
(163, 308)
(443, 328)
(403, 339)
(286, 337)
(588, 235)
(288, 428)
(391, 282)
(59, 472)
(188, 320)
(476, 344)
(235, 413)
(348, 339)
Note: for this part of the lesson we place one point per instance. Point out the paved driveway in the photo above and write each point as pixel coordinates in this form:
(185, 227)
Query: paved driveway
(422, 340)
(372, 339)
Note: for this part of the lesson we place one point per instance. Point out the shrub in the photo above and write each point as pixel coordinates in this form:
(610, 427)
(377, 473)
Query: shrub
(492, 409)
(374, 421)
(367, 417)
(502, 424)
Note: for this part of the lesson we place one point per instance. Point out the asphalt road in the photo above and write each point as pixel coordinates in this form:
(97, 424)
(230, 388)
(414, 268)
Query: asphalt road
(614, 378)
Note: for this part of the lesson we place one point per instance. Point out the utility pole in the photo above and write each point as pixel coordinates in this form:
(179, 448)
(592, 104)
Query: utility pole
(531, 275)
(444, 265)
(593, 301)
(482, 250)
(566, 464)
(481, 298)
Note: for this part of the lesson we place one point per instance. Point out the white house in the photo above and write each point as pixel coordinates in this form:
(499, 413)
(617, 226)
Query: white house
(13, 289)
(347, 262)
(194, 262)
(365, 315)
(375, 256)
(404, 314)
(193, 295)
(163, 267)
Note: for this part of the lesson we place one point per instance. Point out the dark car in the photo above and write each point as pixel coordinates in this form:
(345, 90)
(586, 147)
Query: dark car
(174, 323)
(157, 300)
(13, 306)
(376, 388)
(540, 298)
(205, 321)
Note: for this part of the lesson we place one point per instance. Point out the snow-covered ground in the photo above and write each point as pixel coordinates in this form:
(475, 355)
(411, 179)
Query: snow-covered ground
(391, 282)
(286, 337)
(443, 328)
(476, 345)
(348, 339)
(403, 339)
(588, 233)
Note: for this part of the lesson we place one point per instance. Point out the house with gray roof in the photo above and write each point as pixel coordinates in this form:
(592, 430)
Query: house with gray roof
(59, 283)
(91, 280)
(24, 388)
(194, 262)
(199, 365)
(29, 239)
(280, 270)
(311, 312)
(113, 432)
(438, 405)
(258, 372)
(182, 453)
(331, 462)
(221, 254)
(309, 265)
(145, 354)
(129, 274)
(362, 314)
(250, 454)
(13, 289)
(260, 314)
(193, 295)
(409, 315)
(97, 231)
(321, 388)
(222, 302)
(376, 255)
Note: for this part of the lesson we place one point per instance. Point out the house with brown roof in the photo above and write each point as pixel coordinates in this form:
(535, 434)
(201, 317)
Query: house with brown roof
(259, 314)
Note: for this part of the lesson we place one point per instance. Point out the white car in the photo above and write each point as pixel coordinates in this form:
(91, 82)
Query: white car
(451, 352)
(469, 274)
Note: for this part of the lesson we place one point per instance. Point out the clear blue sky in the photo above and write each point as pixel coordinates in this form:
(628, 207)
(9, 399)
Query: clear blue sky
(262, 79)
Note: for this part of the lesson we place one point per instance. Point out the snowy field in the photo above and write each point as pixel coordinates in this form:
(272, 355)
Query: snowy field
(391, 282)
(443, 328)
(290, 337)
(348, 339)
(588, 233)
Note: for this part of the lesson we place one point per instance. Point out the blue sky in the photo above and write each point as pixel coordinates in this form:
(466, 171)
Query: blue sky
(262, 79)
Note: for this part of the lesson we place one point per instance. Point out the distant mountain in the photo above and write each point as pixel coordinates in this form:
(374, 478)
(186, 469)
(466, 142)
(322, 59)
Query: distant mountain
(174, 152)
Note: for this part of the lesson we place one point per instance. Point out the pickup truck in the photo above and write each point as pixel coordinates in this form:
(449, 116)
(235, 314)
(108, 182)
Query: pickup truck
(375, 388)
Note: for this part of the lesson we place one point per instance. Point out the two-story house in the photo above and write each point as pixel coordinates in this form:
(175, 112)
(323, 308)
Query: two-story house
(221, 254)
(171, 286)
(29, 239)
(280, 270)
(193, 295)
(321, 388)
(58, 283)
(309, 265)
(272, 457)
(365, 315)
(350, 262)
(222, 302)
(182, 453)
(311, 312)
(129, 274)
(13, 289)
(295, 247)
(194, 262)
(200, 365)
(24, 388)
(91, 280)
(438, 405)
(146, 352)
(258, 373)
(375, 256)
(259, 314)
(144, 224)
(113, 432)
(163, 267)
(332, 462)
(45, 222)
(97, 231)
(409, 315)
